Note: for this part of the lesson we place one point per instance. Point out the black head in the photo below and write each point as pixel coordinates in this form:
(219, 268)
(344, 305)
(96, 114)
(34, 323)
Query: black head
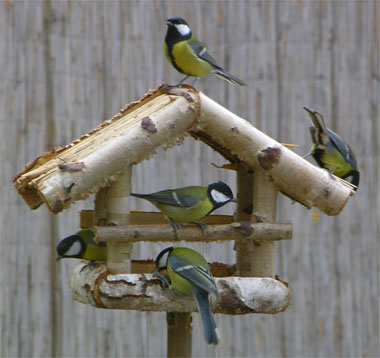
(220, 194)
(162, 258)
(178, 30)
(71, 247)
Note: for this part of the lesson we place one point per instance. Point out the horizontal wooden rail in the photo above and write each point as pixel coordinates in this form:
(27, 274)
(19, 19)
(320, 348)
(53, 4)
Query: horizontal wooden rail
(165, 233)
(93, 284)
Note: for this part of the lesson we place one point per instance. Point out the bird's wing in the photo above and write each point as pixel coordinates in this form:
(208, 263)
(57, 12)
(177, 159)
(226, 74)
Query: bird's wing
(343, 148)
(197, 275)
(184, 197)
(200, 49)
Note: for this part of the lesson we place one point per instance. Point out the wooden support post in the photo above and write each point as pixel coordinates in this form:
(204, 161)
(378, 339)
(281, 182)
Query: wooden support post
(265, 207)
(244, 214)
(111, 208)
(179, 334)
(257, 194)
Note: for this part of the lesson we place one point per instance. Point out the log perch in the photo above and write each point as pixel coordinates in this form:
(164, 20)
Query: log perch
(93, 284)
(165, 233)
(163, 118)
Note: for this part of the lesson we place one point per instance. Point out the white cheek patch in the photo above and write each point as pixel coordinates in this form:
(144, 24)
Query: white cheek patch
(183, 29)
(163, 261)
(219, 197)
(74, 249)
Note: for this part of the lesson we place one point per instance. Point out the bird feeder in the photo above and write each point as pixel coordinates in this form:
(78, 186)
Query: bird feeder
(101, 162)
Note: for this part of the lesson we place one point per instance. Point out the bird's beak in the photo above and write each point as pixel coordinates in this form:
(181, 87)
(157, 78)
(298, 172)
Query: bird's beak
(233, 200)
(59, 258)
(308, 110)
(168, 23)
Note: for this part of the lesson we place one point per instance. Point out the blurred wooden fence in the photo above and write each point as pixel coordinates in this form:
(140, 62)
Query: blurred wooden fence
(65, 66)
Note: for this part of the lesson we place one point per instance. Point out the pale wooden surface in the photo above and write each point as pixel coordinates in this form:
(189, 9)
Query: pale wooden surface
(93, 284)
(62, 76)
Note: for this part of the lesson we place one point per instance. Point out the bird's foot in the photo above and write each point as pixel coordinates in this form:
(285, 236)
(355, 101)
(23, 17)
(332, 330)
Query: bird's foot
(175, 226)
(180, 83)
(165, 283)
(195, 80)
(306, 155)
(202, 226)
(331, 173)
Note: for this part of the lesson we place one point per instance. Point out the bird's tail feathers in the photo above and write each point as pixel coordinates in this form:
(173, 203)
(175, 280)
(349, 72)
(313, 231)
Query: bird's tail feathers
(142, 196)
(355, 179)
(209, 326)
(228, 77)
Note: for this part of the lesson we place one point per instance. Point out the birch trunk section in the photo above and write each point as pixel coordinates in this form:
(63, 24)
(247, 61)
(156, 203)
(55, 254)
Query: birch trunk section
(161, 118)
(93, 284)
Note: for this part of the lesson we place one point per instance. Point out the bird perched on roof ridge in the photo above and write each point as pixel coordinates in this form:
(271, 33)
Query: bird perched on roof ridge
(189, 274)
(331, 152)
(190, 56)
(82, 246)
(189, 204)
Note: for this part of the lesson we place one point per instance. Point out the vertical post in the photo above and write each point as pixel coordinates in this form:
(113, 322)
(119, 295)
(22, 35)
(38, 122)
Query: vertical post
(255, 194)
(244, 250)
(111, 208)
(265, 206)
(179, 334)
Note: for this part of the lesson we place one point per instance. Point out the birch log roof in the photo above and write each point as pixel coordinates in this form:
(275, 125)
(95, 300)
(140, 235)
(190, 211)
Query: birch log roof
(163, 117)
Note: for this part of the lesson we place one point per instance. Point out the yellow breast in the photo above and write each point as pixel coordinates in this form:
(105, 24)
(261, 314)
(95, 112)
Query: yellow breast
(188, 62)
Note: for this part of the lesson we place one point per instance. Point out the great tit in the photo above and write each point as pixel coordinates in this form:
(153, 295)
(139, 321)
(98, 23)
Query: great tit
(82, 246)
(190, 56)
(189, 274)
(331, 152)
(190, 204)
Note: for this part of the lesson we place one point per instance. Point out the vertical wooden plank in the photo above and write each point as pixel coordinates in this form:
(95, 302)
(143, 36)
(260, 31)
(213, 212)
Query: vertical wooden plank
(179, 334)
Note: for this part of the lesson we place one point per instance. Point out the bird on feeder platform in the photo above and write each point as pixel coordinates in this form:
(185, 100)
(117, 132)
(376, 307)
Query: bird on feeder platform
(82, 246)
(331, 152)
(190, 204)
(190, 56)
(189, 274)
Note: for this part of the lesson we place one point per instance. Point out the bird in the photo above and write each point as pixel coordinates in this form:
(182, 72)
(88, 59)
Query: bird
(190, 56)
(82, 246)
(331, 152)
(189, 274)
(189, 204)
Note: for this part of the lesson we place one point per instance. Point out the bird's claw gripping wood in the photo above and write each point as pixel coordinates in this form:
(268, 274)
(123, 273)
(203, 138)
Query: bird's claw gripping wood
(165, 283)
(201, 226)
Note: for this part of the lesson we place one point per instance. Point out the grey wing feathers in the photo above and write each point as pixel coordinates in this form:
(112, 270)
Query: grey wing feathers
(197, 275)
(343, 148)
(169, 197)
(200, 50)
